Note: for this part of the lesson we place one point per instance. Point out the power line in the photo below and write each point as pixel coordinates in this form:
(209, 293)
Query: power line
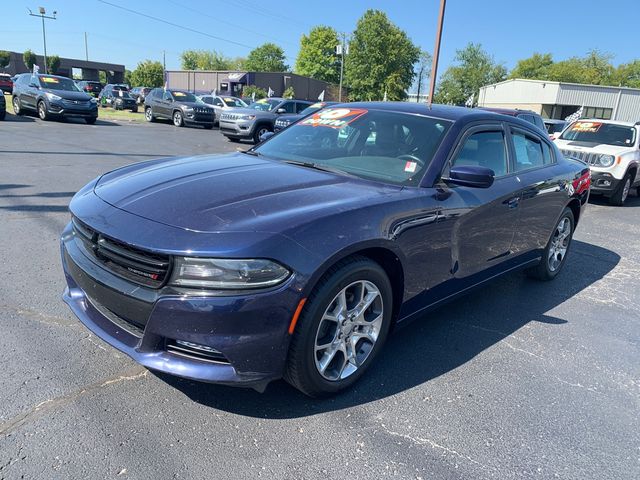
(264, 12)
(219, 20)
(183, 27)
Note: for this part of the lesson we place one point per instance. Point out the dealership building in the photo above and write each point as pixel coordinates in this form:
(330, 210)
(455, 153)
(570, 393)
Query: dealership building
(232, 83)
(559, 99)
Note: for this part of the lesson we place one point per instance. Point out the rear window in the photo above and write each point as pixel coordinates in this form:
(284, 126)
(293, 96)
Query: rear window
(599, 133)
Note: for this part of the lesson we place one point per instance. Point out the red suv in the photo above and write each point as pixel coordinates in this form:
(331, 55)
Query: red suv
(6, 84)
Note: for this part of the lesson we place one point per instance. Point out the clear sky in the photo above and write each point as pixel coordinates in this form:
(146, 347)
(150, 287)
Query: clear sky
(507, 29)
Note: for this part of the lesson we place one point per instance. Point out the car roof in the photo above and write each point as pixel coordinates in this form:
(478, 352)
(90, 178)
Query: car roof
(614, 122)
(508, 111)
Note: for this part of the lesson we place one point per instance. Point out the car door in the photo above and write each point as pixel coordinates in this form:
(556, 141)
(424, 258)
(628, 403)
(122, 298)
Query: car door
(543, 191)
(482, 221)
(164, 105)
(30, 92)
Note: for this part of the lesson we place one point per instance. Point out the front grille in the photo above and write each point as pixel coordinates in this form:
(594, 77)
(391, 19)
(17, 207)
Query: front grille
(589, 158)
(206, 111)
(194, 351)
(75, 103)
(282, 123)
(143, 267)
(229, 116)
(124, 323)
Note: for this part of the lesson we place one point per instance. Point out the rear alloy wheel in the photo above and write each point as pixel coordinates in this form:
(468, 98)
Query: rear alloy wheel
(555, 254)
(17, 108)
(178, 121)
(134, 109)
(622, 192)
(343, 326)
(148, 115)
(42, 111)
(258, 133)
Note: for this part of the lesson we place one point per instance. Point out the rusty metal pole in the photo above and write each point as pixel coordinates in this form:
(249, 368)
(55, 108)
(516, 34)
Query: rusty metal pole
(436, 53)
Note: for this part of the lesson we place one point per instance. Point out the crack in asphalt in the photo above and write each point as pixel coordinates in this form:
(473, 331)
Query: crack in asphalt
(52, 404)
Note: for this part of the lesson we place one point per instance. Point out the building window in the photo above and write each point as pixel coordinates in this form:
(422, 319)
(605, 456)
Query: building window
(596, 112)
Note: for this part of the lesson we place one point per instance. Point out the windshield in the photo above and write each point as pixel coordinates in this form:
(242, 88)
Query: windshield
(312, 108)
(378, 145)
(57, 83)
(265, 105)
(180, 96)
(233, 102)
(555, 127)
(600, 133)
(123, 94)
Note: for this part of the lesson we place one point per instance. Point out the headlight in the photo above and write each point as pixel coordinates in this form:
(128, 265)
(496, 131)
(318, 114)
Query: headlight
(187, 109)
(606, 160)
(227, 274)
(93, 100)
(52, 96)
(246, 117)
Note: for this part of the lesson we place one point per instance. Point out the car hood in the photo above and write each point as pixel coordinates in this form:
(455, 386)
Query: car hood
(592, 147)
(251, 111)
(193, 104)
(67, 95)
(234, 193)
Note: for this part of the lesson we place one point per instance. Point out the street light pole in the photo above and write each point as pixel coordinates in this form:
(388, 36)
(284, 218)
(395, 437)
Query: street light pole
(342, 47)
(42, 15)
(436, 53)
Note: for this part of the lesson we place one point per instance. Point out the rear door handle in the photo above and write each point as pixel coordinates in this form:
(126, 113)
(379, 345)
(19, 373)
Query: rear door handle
(513, 202)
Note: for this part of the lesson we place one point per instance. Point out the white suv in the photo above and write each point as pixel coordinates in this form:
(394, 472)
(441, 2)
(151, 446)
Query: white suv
(612, 151)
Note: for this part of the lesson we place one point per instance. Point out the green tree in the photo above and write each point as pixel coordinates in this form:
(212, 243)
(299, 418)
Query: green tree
(266, 58)
(535, 67)
(597, 68)
(237, 63)
(473, 68)
(148, 74)
(127, 77)
(29, 59)
(289, 93)
(317, 57)
(249, 90)
(53, 64)
(204, 60)
(380, 60)
(627, 75)
(423, 73)
(5, 58)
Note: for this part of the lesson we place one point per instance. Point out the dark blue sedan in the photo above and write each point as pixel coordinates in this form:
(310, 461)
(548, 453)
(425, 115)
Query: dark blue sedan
(296, 258)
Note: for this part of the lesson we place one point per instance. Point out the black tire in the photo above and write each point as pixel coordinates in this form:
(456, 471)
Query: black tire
(3, 114)
(177, 118)
(301, 370)
(208, 126)
(42, 111)
(622, 192)
(545, 270)
(148, 115)
(233, 140)
(260, 130)
(91, 120)
(17, 106)
(135, 109)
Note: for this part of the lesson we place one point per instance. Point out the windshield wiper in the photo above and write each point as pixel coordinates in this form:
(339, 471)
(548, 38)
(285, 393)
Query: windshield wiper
(316, 166)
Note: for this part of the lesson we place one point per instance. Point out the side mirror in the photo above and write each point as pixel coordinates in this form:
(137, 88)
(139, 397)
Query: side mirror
(471, 176)
(281, 110)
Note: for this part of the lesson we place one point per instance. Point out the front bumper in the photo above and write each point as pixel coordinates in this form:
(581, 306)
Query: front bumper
(249, 330)
(62, 109)
(242, 129)
(603, 183)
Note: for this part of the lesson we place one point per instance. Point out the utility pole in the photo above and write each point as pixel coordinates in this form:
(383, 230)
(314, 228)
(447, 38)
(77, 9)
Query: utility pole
(164, 62)
(436, 53)
(86, 47)
(341, 51)
(42, 15)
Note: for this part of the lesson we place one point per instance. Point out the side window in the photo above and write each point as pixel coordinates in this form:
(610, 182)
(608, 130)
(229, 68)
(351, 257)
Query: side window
(301, 106)
(531, 152)
(539, 123)
(218, 103)
(484, 149)
(290, 107)
(167, 96)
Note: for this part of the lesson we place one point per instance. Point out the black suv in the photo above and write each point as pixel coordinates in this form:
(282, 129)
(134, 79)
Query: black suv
(3, 107)
(52, 96)
(107, 95)
(179, 106)
(92, 88)
(138, 93)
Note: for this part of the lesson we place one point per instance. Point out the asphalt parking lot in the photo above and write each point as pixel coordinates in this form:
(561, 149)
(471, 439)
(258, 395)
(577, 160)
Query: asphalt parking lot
(518, 380)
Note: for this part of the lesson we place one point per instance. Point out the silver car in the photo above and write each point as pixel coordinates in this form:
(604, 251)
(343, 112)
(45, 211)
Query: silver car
(222, 103)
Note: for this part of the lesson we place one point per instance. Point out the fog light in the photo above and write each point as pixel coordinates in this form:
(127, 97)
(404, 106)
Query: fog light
(197, 346)
(606, 183)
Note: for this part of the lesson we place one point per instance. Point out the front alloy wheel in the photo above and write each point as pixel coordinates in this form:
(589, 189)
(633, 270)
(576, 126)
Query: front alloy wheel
(42, 111)
(341, 329)
(148, 114)
(622, 192)
(16, 106)
(178, 121)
